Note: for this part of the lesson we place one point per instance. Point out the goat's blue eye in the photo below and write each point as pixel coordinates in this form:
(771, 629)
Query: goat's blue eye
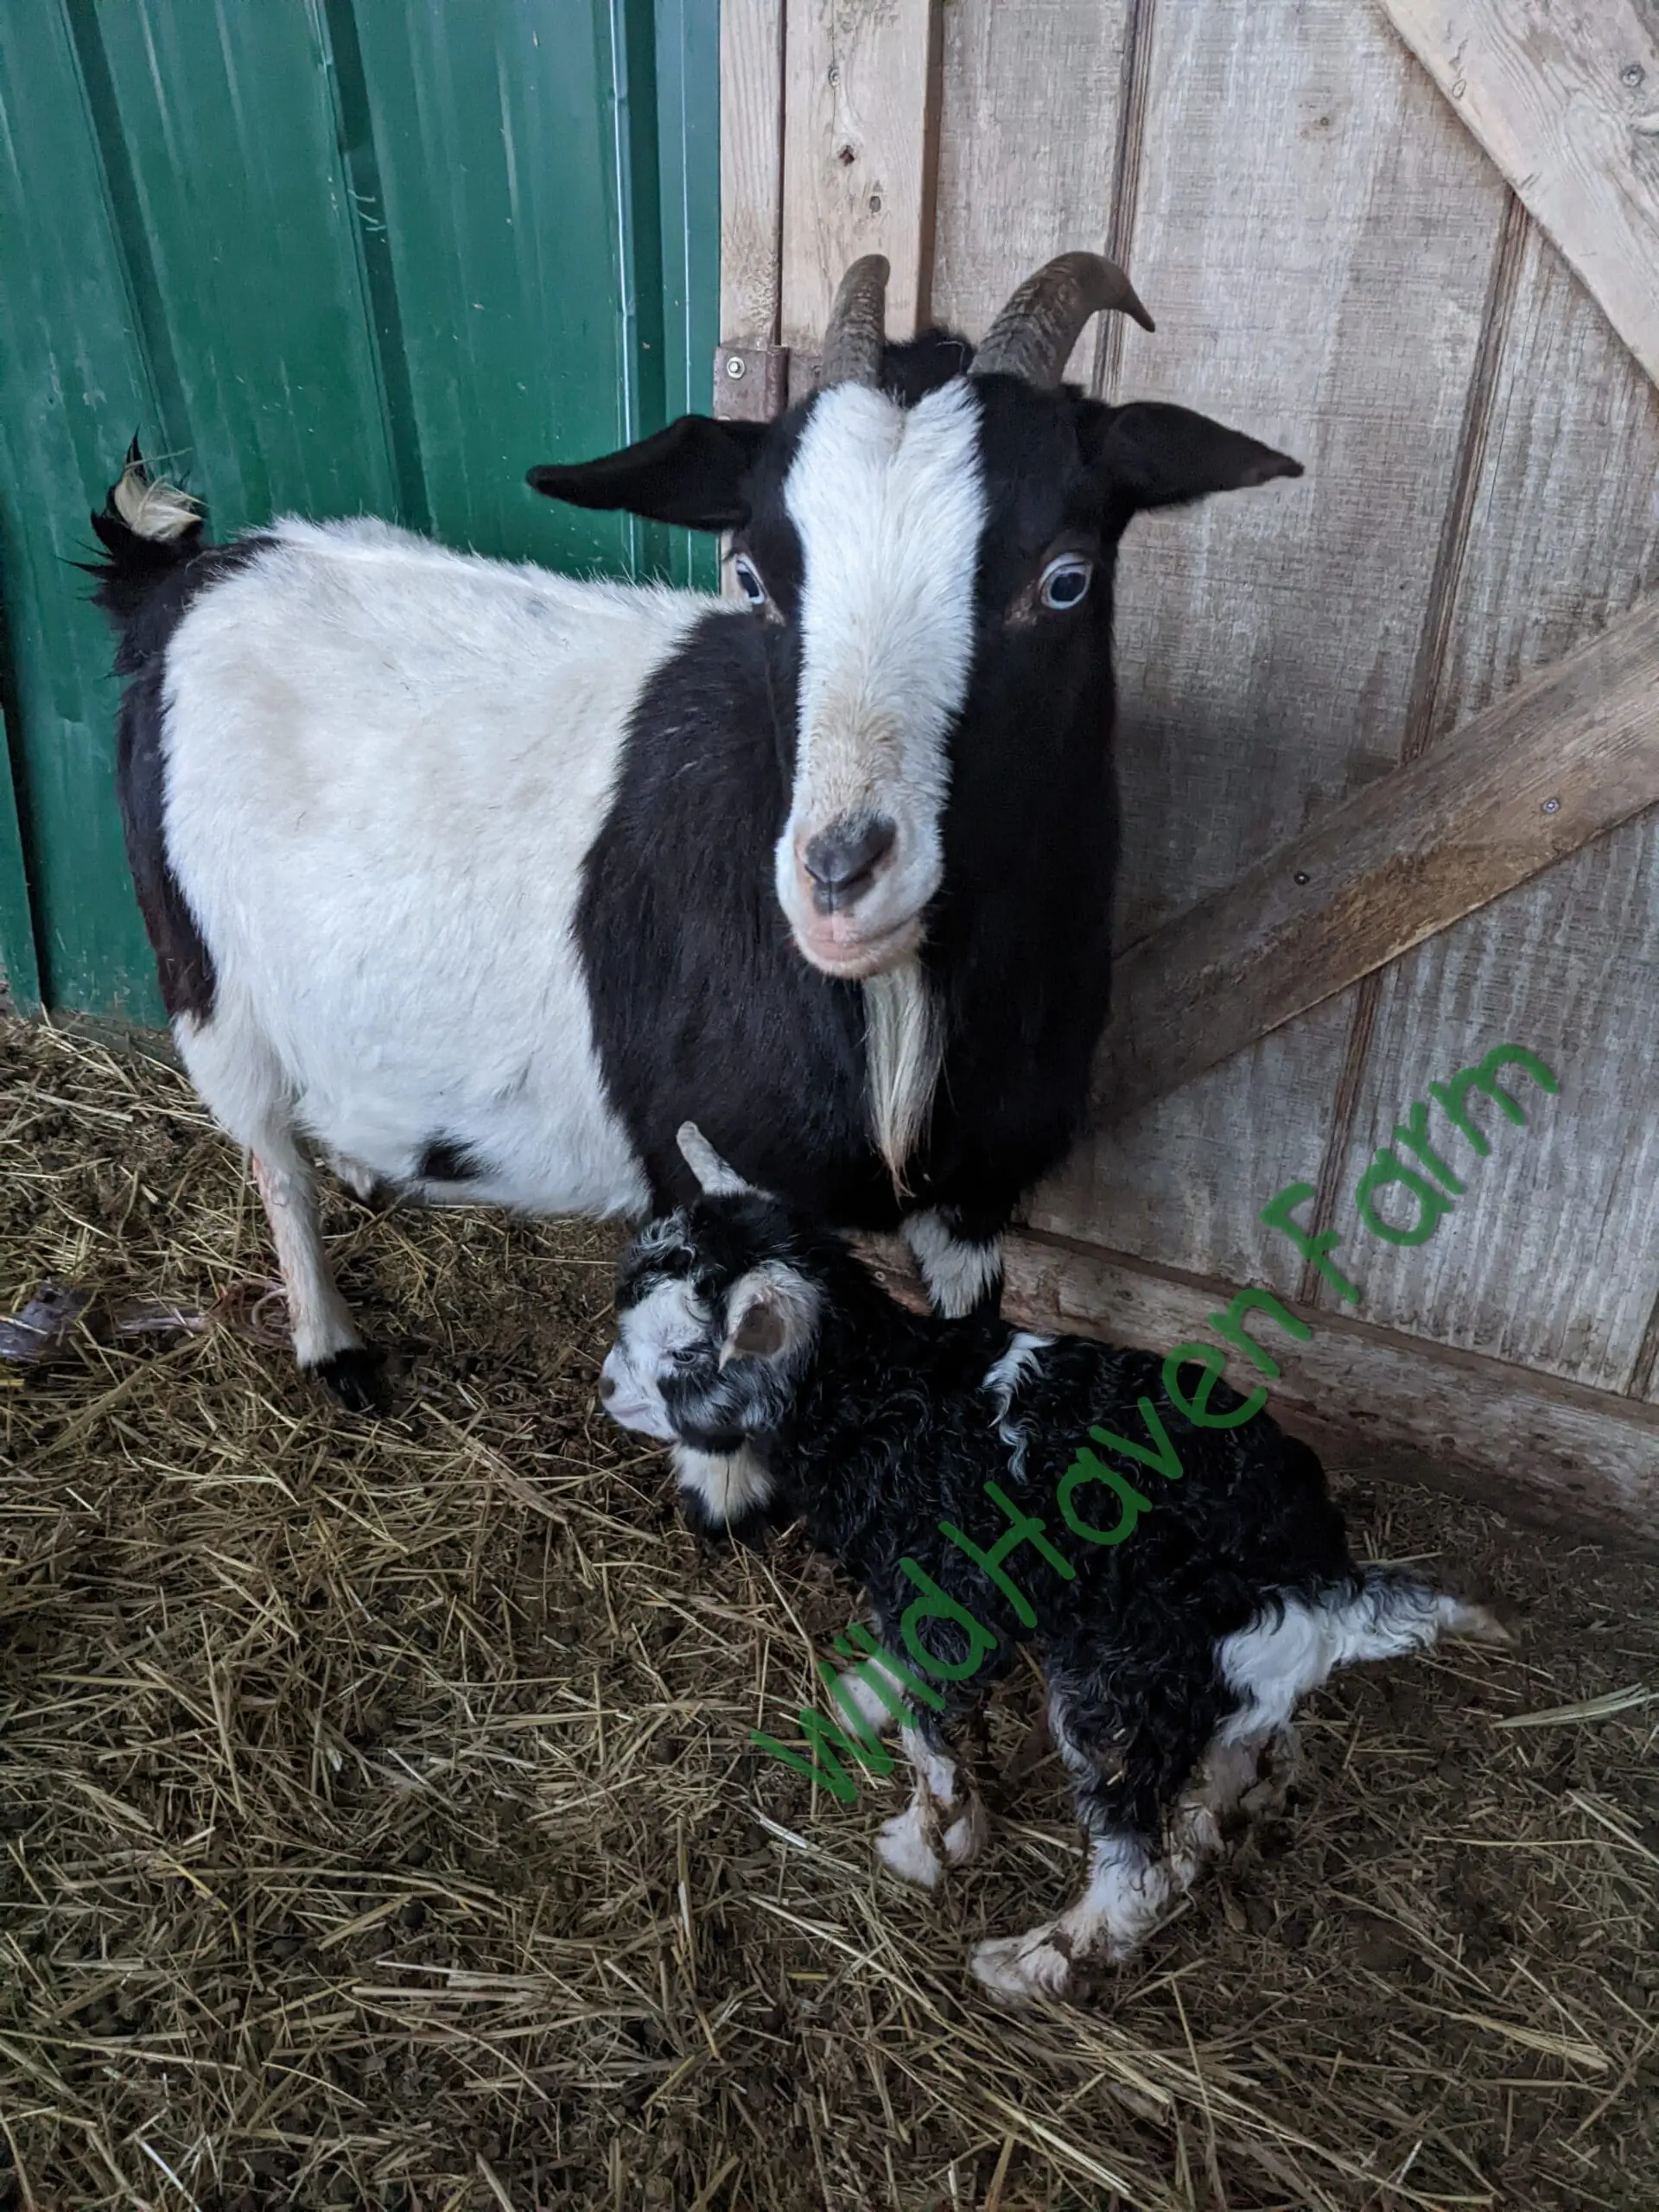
(748, 582)
(1065, 581)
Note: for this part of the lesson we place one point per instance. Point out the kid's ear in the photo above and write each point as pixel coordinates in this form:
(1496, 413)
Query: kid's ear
(694, 473)
(1148, 454)
(769, 1313)
(760, 1334)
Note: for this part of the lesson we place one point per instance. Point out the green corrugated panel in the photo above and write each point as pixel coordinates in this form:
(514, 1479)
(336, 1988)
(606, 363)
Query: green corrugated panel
(492, 127)
(219, 125)
(20, 977)
(325, 256)
(687, 136)
(73, 390)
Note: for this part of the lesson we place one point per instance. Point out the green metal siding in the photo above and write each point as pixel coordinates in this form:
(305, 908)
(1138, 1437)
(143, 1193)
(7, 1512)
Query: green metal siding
(327, 256)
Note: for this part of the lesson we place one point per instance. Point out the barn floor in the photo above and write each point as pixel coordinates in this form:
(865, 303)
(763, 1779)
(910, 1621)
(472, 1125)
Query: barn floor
(381, 1830)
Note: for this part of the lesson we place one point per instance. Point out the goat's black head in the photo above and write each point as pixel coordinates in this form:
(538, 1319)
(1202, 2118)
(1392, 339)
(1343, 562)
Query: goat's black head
(718, 1306)
(929, 542)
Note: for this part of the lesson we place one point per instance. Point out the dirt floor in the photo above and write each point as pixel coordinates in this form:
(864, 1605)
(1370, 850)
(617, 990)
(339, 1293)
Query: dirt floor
(381, 1827)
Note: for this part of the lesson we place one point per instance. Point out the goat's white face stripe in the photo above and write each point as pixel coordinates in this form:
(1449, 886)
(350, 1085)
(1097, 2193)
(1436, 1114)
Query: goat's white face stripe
(889, 504)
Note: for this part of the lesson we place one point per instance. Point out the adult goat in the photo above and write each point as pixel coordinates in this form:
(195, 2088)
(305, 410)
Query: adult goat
(486, 879)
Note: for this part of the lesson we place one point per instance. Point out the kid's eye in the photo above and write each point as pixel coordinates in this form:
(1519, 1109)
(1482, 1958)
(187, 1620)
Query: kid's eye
(1065, 581)
(748, 581)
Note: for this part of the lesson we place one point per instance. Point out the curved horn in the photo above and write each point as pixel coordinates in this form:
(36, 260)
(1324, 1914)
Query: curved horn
(718, 1181)
(857, 331)
(1034, 336)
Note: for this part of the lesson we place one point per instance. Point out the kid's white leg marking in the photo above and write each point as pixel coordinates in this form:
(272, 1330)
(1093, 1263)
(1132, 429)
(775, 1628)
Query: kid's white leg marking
(858, 1684)
(945, 1825)
(1128, 1892)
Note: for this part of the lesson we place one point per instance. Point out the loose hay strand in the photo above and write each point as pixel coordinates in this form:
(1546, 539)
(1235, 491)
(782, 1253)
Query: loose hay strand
(381, 1829)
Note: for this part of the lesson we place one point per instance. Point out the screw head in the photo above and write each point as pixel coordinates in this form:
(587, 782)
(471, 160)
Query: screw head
(1302, 876)
(736, 365)
(1551, 806)
(1632, 73)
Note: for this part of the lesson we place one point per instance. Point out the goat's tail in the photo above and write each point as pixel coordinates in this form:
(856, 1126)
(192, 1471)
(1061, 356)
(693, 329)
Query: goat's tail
(149, 527)
(1394, 1611)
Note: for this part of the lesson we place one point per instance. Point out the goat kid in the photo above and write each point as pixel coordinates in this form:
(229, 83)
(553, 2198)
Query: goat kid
(920, 1454)
(483, 879)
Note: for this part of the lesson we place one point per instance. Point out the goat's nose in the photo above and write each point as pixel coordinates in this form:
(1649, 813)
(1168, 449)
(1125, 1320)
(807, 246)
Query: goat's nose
(607, 1384)
(842, 861)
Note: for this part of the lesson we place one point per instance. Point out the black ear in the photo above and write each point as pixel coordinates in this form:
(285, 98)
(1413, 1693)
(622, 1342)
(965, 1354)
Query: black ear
(1154, 456)
(695, 473)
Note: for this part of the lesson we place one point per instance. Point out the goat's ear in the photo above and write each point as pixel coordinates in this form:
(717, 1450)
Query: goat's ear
(694, 473)
(771, 1311)
(1148, 454)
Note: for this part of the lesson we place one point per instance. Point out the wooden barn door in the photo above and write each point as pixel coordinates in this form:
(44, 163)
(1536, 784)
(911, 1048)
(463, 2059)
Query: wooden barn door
(1389, 736)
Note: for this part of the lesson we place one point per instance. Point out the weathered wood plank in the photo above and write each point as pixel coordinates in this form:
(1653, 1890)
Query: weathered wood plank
(751, 168)
(1526, 1443)
(860, 146)
(1029, 118)
(1564, 530)
(1566, 100)
(1316, 237)
(1565, 757)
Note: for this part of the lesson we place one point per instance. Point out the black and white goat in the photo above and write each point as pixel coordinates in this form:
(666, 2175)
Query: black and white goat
(1179, 1615)
(485, 879)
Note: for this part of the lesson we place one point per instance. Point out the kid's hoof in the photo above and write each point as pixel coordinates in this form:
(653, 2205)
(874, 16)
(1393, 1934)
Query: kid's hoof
(902, 1846)
(353, 1379)
(906, 1846)
(1020, 1968)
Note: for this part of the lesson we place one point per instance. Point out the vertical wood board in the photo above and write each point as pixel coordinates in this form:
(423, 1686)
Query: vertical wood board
(861, 82)
(751, 167)
(1558, 1267)
(1028, 136)
(1316, 237)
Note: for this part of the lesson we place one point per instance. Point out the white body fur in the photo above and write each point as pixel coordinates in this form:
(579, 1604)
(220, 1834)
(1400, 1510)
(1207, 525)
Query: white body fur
(385, 764)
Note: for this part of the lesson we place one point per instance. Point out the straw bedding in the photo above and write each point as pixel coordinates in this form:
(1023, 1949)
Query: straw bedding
(381, 1830)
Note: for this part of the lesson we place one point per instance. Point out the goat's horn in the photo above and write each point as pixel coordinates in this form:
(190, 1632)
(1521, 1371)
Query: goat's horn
(717, 1179)
(1034, 336)
(857, 332)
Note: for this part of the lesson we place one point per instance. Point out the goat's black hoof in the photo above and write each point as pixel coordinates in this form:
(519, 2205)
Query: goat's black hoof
(353, 1379)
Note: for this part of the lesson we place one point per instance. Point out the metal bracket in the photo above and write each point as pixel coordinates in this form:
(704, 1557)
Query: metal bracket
(751, 382)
